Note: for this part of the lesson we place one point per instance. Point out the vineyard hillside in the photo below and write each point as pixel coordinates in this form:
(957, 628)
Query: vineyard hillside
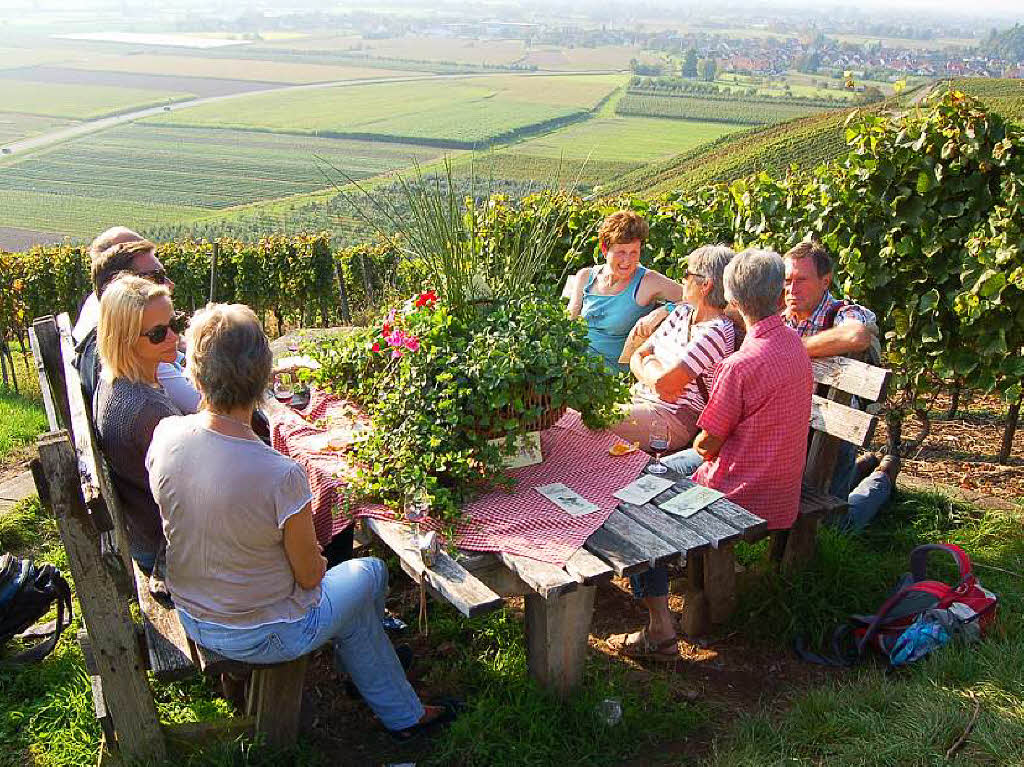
(804, 142)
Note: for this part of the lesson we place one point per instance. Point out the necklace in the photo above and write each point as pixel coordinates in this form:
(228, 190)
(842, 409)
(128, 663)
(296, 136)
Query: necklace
(247, 427)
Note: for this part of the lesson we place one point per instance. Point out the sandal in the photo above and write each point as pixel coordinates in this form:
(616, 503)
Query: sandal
(450, 710)
(639, 645)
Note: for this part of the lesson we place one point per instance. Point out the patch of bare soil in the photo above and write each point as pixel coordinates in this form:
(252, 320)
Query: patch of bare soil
(961, 452)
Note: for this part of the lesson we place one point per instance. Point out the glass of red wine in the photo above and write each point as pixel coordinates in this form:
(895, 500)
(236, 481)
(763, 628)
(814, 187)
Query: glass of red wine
(283, 390)
(658, 441)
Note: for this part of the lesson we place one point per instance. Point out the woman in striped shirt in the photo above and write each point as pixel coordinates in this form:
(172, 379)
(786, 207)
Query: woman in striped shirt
(675, 366)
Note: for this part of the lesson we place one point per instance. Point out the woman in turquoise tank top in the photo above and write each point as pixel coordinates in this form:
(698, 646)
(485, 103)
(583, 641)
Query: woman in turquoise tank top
(618, 294)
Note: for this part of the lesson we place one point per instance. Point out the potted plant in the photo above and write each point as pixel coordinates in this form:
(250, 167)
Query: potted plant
(482, 350)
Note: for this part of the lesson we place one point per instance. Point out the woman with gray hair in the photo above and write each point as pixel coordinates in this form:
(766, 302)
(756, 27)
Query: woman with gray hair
(243, 564)
(753, 435)
(675, 366)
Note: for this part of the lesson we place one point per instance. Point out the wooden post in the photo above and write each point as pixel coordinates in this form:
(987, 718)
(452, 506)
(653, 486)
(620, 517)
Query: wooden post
(213, 270)
(556, 637)
(720, 582)
(275, 700)
(44, 385)
(129, 701)
(48, 341)
(346, 315)
(696, 619)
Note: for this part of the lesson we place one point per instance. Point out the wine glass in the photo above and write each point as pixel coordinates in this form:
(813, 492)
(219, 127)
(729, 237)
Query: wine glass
(416, 508)
(283, 391)
(658, 440)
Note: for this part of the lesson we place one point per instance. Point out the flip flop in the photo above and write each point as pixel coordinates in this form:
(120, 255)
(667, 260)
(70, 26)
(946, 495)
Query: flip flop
(639, 646)
(450, 709)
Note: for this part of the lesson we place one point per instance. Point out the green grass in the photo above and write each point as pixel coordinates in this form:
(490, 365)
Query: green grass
(860, 716)
(46, 711)
(459, 111)
(22, 417)
(864, 716)
(198, 167)
(712, 109)
(78, 101)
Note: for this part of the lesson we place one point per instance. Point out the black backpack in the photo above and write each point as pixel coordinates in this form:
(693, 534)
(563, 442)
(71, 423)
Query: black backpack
(26, 594)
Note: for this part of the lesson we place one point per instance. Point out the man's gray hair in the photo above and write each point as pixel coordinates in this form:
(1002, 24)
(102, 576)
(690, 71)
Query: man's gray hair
(229, 358)
(710, 261)
(753, 282)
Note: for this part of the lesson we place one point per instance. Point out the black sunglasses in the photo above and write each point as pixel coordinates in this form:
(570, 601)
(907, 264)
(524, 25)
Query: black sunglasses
(694, 274)
(158, 333)
(159, 276)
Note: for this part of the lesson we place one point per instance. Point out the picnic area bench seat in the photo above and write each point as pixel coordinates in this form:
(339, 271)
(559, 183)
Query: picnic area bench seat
(73, 480)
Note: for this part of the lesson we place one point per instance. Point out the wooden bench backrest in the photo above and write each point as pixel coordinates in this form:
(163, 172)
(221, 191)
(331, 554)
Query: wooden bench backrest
(832, 418)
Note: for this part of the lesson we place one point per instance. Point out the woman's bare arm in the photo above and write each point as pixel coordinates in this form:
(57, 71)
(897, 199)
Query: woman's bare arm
(655, 286)
(303, 552)
(576, 298)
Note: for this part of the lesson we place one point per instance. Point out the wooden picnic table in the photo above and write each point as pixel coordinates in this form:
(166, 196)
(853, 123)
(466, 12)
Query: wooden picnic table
(560, 600)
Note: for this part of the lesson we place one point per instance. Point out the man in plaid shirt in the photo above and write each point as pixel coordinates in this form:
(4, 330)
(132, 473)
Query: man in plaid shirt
(830, 327)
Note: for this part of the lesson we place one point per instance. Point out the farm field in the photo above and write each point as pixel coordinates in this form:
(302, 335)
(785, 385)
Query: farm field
(227, 68)
(78, 101)
(82, 216)
(459, 111)
(711, 109)
(205, 169)
(17, 125)
(635, 140)
(463, 50)
(14, 57)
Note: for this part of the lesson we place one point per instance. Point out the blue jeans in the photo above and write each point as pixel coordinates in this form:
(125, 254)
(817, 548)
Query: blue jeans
(348, 615)
(654, 582)
(866, 499)
(650, 583)
(685, 461)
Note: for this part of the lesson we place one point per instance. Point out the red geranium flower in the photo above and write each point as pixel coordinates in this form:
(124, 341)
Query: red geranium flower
(429, 297)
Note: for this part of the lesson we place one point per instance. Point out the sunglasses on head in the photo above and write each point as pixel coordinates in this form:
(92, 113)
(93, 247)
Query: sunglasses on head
(158, 333)
(158, 276)
(694, 274)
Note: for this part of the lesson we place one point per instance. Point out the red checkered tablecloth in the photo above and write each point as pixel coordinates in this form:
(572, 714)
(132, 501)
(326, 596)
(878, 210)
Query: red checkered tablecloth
(520, 522)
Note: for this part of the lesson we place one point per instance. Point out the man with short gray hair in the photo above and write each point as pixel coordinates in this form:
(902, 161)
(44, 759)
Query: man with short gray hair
(754, 428)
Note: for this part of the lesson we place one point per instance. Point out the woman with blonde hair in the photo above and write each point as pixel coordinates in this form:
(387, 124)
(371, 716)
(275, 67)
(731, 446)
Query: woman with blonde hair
(243, 565)
(138, 329)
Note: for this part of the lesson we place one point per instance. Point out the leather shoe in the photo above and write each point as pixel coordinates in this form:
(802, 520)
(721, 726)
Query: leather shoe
(890, 465)
(864, 465)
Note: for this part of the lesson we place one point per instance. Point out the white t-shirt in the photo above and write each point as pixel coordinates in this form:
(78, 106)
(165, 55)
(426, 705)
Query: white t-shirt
(224, 502)
(700, 345)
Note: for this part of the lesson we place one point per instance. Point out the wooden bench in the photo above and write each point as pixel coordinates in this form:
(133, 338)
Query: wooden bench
(75, 483)
(833, 421)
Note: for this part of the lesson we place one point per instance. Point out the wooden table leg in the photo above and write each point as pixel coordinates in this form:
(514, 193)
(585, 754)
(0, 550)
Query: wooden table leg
(275, 699)
(695, 621)
(801, 542)
(720, 582)
(556, 637)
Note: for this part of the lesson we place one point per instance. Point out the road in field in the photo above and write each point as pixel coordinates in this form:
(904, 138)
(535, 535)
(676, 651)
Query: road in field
(63, 134)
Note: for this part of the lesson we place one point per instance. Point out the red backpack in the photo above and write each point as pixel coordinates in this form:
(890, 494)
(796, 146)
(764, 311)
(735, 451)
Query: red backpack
(968, 606)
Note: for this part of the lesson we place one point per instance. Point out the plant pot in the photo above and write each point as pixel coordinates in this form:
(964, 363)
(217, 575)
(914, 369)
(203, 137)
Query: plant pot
(531, 399)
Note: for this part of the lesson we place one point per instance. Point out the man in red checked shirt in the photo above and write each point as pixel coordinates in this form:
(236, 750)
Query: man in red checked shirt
(753, 435)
